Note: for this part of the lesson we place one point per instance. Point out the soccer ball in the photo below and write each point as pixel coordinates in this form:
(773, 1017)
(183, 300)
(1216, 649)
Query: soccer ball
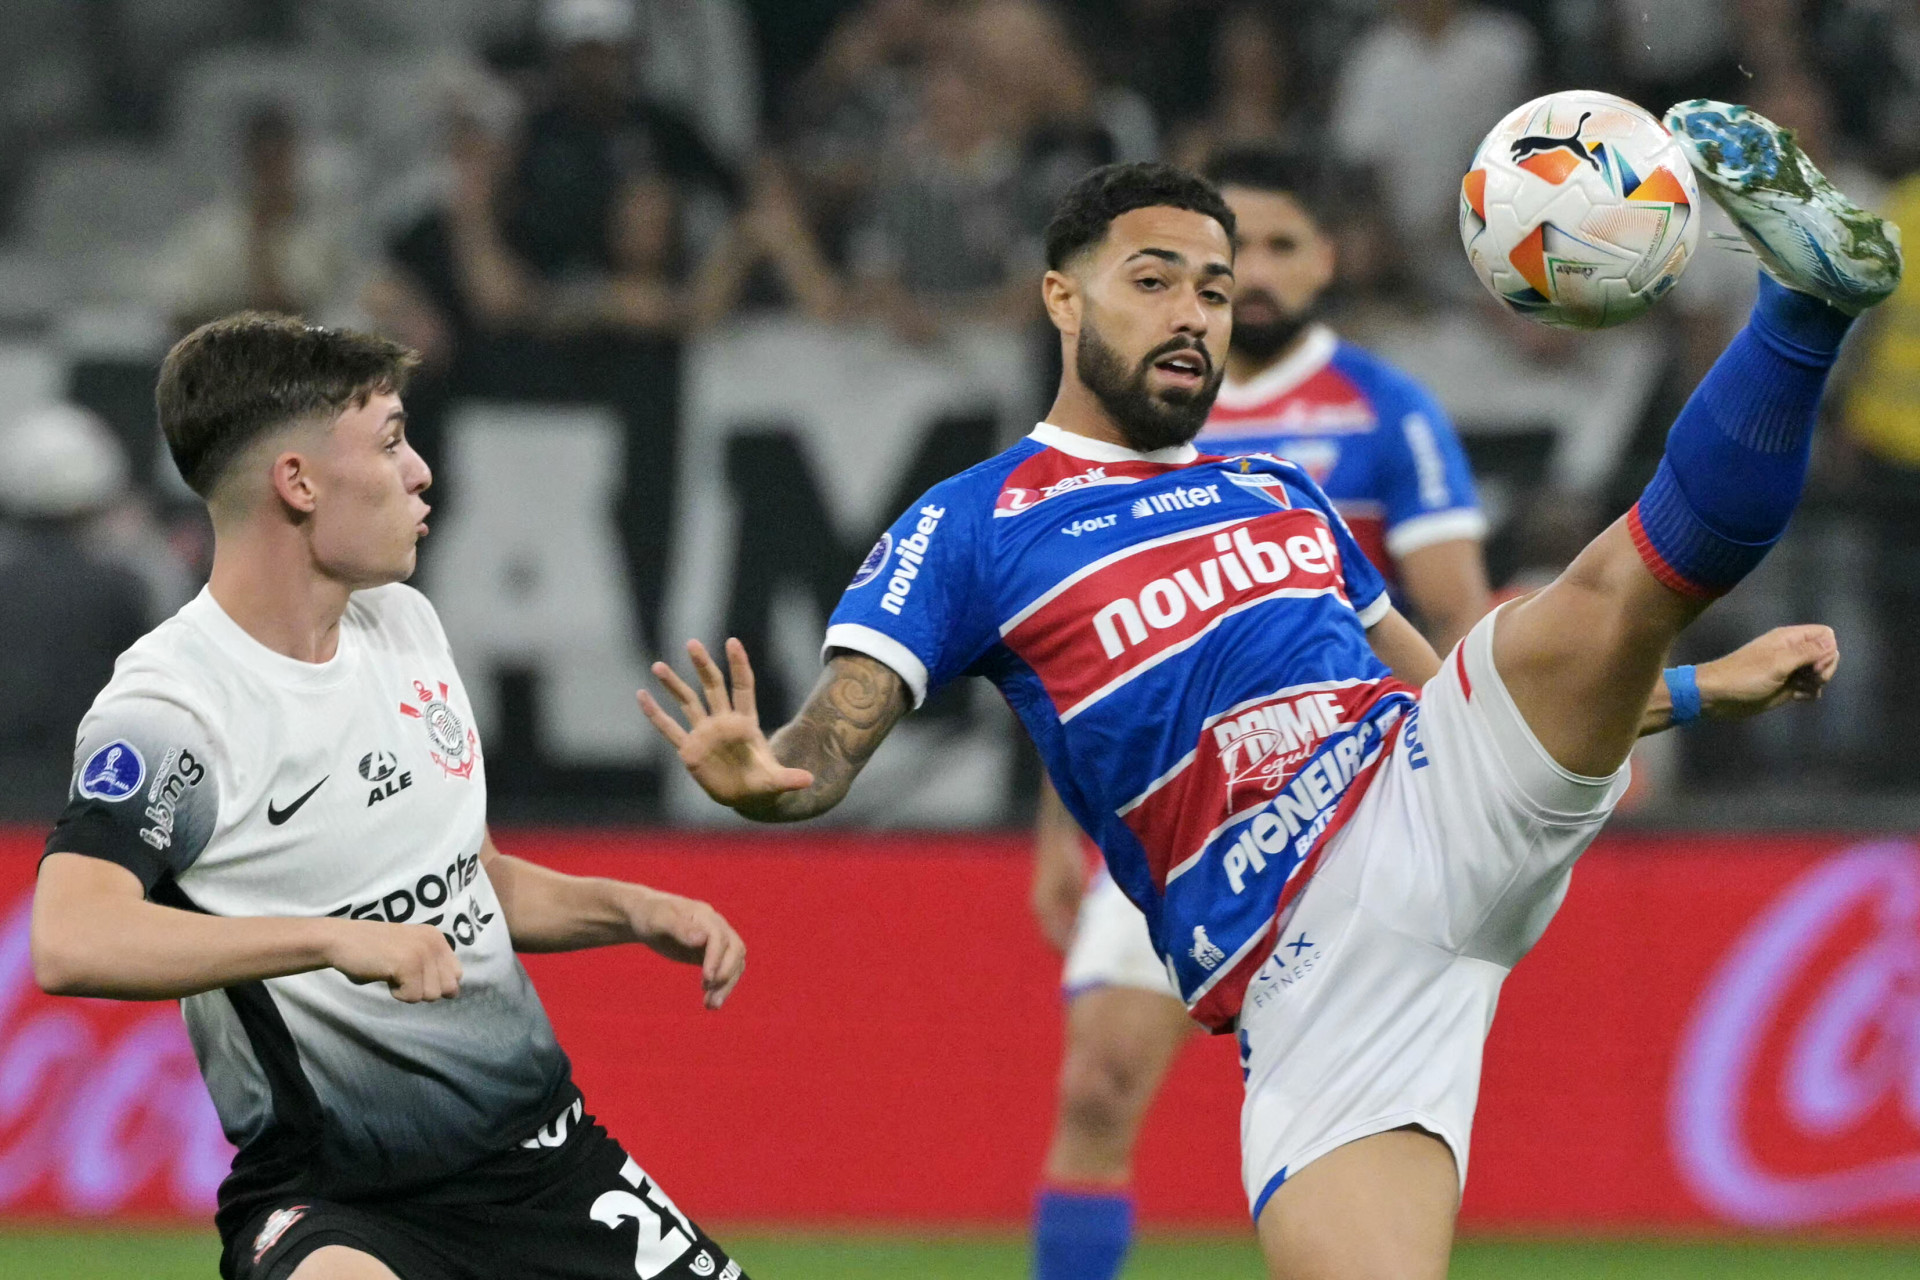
(1579, 210)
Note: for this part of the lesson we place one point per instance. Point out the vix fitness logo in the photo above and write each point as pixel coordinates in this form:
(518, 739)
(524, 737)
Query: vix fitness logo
(1797, 1093)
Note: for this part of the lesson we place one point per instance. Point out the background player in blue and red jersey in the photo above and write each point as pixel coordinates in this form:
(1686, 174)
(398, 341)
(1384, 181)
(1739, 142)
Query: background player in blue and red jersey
(1260, 744)
(1383, 450)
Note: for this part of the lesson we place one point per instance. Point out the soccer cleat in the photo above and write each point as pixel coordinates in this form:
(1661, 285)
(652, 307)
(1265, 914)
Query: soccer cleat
(1807, 234)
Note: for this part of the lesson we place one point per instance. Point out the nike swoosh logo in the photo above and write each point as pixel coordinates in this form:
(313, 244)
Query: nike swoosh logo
(278, 816)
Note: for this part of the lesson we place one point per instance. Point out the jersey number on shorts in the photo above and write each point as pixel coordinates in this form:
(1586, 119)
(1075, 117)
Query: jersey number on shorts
(664, 1233)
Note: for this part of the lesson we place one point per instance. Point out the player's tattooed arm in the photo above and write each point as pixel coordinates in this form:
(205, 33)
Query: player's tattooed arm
(852, 709)
(806, 768)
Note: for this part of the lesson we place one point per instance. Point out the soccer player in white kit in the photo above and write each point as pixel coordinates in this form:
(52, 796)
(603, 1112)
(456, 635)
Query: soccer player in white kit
(1341, 843)
(1388, 458)
(278, 817)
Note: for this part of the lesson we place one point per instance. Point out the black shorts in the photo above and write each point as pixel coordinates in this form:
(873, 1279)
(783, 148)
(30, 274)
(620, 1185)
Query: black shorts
(583, 1210)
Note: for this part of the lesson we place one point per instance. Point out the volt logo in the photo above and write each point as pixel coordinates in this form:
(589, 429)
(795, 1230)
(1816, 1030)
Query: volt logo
(1079, 527)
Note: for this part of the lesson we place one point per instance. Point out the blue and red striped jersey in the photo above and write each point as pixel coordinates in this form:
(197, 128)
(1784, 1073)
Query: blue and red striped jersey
(1375, 440)
(1184, 637)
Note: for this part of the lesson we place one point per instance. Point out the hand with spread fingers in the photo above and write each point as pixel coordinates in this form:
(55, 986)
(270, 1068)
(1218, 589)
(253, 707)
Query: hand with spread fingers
(721, 743)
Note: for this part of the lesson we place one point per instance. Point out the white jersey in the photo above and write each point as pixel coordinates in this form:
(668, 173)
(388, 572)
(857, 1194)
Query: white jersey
(236, 781)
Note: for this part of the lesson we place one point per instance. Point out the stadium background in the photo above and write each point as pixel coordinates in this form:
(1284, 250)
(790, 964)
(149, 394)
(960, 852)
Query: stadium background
(708, 290)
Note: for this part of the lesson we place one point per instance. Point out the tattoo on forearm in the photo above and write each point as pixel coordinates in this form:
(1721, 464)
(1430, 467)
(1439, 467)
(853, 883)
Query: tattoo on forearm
(850, 712)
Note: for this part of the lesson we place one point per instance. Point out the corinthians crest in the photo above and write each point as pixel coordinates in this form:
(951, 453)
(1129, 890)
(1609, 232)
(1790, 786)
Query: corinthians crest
(453, 746)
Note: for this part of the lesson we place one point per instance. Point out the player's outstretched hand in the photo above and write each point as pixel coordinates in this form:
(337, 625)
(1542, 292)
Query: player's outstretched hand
(414, 960)
(1787, 664)
(721, 744)
(691, 932)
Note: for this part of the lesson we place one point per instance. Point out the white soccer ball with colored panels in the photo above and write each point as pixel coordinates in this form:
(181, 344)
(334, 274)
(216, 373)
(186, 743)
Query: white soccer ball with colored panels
(1579, 210)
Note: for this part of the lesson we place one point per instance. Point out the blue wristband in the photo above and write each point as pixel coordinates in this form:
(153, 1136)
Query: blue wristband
(1684, 689)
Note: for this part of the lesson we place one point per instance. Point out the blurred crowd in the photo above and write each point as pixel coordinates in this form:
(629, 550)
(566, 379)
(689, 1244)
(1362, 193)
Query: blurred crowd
(559, 194)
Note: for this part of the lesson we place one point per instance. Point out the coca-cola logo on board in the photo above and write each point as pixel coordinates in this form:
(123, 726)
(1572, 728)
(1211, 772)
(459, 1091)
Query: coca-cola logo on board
(101, 1104)
(1796, 1094)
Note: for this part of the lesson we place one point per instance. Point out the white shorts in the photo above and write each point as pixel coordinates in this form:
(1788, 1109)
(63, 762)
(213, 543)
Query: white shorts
(1373, 1012)
(1111, 947)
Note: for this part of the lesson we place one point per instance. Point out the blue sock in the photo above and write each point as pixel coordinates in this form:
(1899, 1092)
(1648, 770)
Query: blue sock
(1081, 1235)
(1736, 458)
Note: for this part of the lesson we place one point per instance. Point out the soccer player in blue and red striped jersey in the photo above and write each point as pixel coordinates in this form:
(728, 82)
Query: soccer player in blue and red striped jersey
(1340, 844)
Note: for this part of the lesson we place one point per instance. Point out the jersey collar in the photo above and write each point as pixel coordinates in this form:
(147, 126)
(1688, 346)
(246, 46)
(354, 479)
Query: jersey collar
(1315, 350)
(1075, 445)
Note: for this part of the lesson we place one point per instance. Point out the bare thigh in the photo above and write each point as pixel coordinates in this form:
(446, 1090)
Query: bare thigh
(337, 1262)
(1380, 1208)
(1120, 1043)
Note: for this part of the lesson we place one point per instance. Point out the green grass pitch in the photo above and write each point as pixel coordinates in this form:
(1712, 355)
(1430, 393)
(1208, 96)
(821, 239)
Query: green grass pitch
(173, 1255)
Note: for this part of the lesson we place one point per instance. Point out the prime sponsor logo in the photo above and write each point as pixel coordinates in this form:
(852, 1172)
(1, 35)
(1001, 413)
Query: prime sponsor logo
(1796, 1096)
(1242, 564)
(1179, 498)
(178, 772)
(1261, 746)
(913, 551)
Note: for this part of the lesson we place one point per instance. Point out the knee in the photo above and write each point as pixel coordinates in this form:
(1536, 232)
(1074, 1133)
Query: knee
(1101, 1093)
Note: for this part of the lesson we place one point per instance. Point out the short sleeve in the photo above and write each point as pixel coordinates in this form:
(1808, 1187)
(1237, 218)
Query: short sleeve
(143, 793)
(1366, 589)
(1425, 482)
(917, 602)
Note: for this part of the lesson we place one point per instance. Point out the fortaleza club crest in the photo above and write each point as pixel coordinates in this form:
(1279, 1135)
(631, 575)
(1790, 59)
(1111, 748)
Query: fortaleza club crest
(453, 746)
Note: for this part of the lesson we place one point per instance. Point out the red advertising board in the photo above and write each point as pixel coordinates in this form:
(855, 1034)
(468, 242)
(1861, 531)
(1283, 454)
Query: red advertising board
(1715, 1033)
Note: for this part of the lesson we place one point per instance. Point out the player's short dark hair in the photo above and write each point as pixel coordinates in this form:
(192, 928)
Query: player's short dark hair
(231, 380)
(1085, 213)
(1307, 182)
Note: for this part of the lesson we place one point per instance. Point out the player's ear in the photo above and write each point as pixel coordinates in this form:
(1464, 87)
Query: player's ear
(1061, 294)
(292, 480)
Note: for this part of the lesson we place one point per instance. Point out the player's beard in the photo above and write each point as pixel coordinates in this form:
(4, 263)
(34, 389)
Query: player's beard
(1148, 421)
(1262, 341)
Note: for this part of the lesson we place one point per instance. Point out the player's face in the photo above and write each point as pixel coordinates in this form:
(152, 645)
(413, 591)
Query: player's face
(1281, 265)
(368, 514)
(1155, 316)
